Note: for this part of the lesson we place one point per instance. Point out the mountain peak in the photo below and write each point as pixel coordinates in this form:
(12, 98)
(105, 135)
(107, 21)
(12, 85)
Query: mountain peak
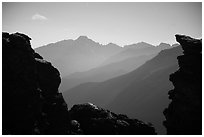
(83, 37)
(139, 45)
(112, 44)
(164, 44)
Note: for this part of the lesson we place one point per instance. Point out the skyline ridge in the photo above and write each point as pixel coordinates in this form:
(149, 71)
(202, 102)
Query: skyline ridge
(85, 37)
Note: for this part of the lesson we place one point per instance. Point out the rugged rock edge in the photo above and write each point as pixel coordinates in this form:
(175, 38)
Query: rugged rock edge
(184, 113)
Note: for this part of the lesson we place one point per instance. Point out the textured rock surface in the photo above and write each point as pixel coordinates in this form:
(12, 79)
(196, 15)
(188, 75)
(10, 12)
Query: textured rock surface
(184, 113)
(31, 103)
(95, 120)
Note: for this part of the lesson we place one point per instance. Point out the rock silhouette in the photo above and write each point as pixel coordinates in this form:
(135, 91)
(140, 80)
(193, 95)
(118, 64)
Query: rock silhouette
(32, 104)
(31, 101)
(98, 121)
(184, 113)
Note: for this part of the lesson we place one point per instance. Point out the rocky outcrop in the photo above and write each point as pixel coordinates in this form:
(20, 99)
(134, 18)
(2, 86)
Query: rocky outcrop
(31, 103)
(97, 121)
(184, 113)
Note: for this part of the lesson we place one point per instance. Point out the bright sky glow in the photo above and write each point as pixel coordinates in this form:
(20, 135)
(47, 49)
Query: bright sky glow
(120, 23)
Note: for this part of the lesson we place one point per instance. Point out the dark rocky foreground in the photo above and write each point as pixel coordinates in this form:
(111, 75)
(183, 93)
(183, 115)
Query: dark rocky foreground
(184, 113)
(95, 120)
(32, 104)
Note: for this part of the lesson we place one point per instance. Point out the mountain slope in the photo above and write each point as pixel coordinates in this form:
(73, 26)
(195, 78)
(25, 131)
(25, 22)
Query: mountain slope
(83, 54)
(147, 97)
(100, 74)
(130, 58)
(77, 55)
(136, 50)
(107, 92)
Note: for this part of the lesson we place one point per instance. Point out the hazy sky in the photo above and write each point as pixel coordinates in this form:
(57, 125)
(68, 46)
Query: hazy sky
(120, 23)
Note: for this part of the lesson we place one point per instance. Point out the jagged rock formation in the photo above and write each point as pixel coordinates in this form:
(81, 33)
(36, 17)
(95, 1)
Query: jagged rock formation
(97, 121)
(184, 113)
(31, 103)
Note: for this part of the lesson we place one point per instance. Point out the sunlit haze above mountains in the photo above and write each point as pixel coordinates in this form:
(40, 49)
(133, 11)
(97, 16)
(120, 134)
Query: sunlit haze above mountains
(120, 23)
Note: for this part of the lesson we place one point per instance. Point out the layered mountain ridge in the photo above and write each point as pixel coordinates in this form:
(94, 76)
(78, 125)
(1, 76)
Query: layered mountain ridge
(140, 88)
(76, 55)
(84, 54)
(83, 60)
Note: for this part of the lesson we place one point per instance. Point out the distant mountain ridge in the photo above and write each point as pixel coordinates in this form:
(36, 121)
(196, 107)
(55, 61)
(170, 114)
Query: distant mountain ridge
(103, 73)
(77, 55)
(83, 54)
